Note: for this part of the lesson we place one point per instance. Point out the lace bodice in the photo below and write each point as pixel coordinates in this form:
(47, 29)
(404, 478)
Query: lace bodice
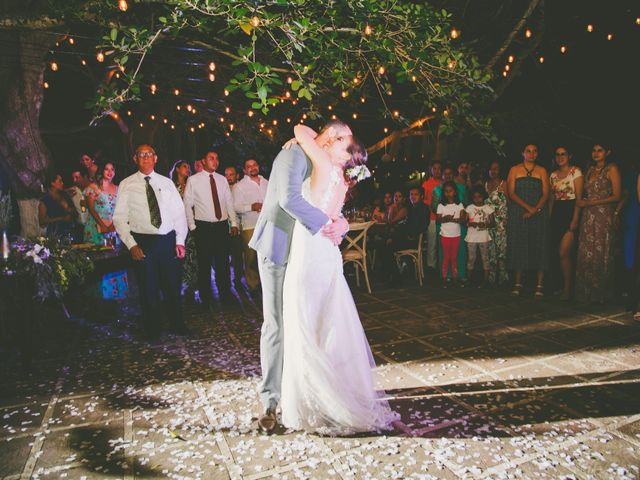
(335, 178)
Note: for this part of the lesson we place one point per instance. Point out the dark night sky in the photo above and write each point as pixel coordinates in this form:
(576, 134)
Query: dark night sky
(592, 92)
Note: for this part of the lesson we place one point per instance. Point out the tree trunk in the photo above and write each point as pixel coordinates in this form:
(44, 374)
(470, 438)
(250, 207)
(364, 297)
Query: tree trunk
(22, 150)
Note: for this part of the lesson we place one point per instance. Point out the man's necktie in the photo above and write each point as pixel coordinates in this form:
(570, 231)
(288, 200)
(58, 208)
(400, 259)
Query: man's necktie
(154, 208)
(216, 200)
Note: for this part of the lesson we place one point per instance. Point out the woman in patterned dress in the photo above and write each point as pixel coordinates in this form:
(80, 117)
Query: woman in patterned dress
(497, 190)
(602, 193)
(101, 202)
(527, 225)
(566, 187)
(179, 173)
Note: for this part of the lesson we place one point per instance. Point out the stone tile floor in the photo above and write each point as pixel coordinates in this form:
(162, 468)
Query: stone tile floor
(488, 386)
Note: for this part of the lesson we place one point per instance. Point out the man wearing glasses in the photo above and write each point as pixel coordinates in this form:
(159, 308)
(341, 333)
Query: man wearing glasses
(150, 220)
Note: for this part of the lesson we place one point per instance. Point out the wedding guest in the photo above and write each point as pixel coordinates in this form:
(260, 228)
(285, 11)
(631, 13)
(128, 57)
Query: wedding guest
(80, 180)
(248, 197)
(462, 178)
(381, 214)
(56, 212)
(101, 202)
(209, 207)
(232, 176)
(497, 190)
(235, 243)
(150, 219)
(450, 214)
(630, 223)
(432, 238)
(480, 219)
(198, 165)
(179, 174)
(436, 196)
(527, 224)
(595, 262)
(566, 187)
(89, 163)
(398, 210)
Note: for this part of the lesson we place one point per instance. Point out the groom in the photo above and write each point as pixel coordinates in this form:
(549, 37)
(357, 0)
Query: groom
(282, 206)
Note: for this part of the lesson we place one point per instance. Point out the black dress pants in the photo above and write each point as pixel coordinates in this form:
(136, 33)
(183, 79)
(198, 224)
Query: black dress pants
(160, 277)
(212, 246)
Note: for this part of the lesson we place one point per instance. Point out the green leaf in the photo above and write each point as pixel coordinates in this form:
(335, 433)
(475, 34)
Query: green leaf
(114, 34)
(256, 105)
(302, 92)
(162, 20)
(295, 85)
(262, 93)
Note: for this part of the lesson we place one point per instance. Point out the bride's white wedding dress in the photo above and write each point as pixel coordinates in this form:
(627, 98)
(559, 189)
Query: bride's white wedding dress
(327, 382)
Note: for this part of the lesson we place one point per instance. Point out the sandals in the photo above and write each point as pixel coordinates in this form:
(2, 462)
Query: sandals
(539, 291)
(517, 288)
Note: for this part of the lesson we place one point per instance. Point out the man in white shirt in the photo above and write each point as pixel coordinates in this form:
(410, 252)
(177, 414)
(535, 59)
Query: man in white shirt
(235, 245)
(209, 207)
(80, 179)
(248, 196)
(150, 221)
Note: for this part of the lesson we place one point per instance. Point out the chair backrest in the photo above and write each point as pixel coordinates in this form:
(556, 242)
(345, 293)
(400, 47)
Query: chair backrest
(356, 237)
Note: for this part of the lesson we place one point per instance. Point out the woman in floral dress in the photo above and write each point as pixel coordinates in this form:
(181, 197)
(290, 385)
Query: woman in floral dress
(101, 200)
(602, 193)
(496, 189)
(179, 173)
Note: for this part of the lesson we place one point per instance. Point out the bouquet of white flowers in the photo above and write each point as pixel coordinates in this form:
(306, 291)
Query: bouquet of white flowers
(358, 173)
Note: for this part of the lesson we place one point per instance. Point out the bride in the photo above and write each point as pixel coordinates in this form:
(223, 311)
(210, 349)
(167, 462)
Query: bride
(327, 384)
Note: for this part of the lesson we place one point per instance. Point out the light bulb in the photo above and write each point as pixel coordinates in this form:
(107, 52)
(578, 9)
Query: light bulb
(153, 87)
(176, 92)
(255, 21)
(589, 28)
(541, 59)
(381, 70)
(100, 57)
(123, 5)
(368, 30)
(355, 116)
(45, 85)
(511, 58)
(455, 33)
(563, 49)
(212, 66)
(250, 113)
(212, 77)
(528, 33)
(54, 66)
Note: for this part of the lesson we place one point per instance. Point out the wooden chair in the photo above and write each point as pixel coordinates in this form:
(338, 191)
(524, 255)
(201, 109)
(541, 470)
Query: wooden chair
(416, 256)
(356, 250)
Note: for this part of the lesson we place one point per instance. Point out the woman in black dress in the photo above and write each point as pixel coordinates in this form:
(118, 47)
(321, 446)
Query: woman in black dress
(56, 211)
(527, 236)
(566, 187)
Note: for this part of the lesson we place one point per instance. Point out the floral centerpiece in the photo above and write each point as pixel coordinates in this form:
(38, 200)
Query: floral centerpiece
(52, 265)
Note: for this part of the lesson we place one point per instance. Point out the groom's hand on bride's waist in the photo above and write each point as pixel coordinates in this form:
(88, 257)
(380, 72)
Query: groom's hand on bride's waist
(336, 230)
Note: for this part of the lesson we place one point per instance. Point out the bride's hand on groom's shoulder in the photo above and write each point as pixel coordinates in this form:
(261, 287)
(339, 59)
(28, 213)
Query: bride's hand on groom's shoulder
(288, 145)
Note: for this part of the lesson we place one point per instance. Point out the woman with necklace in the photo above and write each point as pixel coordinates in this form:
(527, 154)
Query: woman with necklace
(602, 193)
(566, 187)
(527, 240)
(497, 190)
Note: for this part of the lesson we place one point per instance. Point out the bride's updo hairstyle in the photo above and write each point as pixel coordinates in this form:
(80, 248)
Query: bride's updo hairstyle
(358, 153)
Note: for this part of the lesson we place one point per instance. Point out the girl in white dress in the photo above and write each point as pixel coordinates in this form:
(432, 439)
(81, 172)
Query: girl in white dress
(327, 382)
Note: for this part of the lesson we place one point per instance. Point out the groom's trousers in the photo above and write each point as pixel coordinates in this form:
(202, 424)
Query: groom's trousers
(272, 335)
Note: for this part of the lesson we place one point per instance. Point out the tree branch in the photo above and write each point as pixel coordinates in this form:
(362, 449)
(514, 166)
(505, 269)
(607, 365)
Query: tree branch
(398, 134)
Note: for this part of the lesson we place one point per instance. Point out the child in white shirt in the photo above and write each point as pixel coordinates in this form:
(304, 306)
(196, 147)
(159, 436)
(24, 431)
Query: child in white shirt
(480, 219)
(450, 214)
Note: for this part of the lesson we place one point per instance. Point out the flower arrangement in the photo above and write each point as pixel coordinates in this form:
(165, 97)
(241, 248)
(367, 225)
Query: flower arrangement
(52, 265)
(358, 173)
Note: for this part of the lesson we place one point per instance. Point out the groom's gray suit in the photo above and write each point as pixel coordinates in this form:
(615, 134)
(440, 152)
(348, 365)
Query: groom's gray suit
(282, 206)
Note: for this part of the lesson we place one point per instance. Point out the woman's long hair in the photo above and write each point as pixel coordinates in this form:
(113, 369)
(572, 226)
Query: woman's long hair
(173, 173)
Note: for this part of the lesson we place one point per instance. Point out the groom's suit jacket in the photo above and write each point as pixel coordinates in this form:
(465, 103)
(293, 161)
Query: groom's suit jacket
(283, 205)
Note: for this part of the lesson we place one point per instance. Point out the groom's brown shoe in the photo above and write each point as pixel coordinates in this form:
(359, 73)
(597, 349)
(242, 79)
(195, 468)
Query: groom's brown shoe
(268, 421)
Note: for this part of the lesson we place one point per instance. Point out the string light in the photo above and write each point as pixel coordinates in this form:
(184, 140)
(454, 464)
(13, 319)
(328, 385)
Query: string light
(141, 125)
(563, 49)
(396, 113)
(83, 62)
(226, 92)
(381, 70)
(227, 109)
(528, 33)
(123, 5)
(356, 80)
(176, 92)
(386, 130)
(368, 30)
(153, 117)
(304, 116)
(250, 113)
(189, 108)
(45, 85)
(330, 107)
(71, 41)
(511, 59)
(507, 67)
(193, 110)
(212, 66)
(362, 99)
(355, 116)
(117, 75)
(100, 57)
(178, 107)
(275, 122)
(270, 132)
(287, 94)
(231, 127)
(288, 120)
(129, 112)
(294, 102)
(227, 134)
(255, 21)
(638, 21)
(221, 119)
(541, 59)
(212, 77)
(434, 109)
(173, 127)
(53, 66)
(452, 65)
(165, 121)
(455, 33)
(333, 117)
(289, 80)
(505, 73)
(344, 94)
(153, 88)
(192, 129)
(445, 113)
(589, 28)
(610, 37)
(413, 78)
